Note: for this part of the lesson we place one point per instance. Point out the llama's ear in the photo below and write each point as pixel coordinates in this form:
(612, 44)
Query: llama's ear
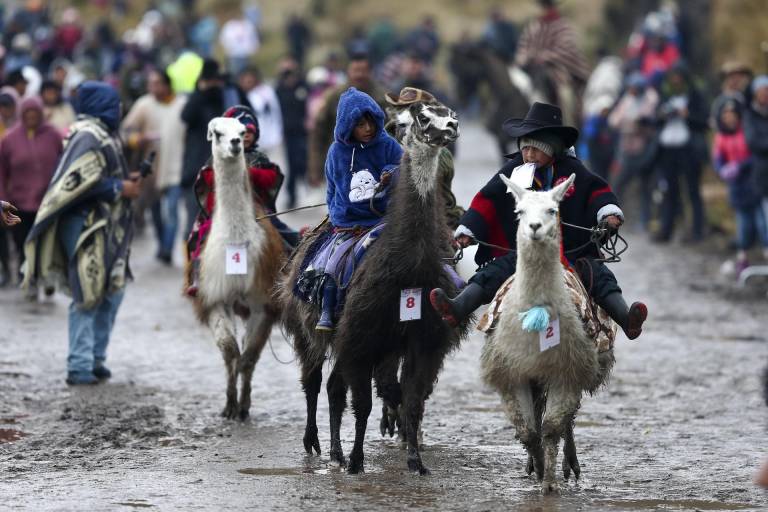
(513, 188)
(558, 193)
(210, 130)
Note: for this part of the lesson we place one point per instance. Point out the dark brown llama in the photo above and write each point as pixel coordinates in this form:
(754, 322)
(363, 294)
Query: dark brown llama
(370, 341)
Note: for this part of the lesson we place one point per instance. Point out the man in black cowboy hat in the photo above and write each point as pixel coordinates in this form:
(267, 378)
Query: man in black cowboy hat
(541, 139)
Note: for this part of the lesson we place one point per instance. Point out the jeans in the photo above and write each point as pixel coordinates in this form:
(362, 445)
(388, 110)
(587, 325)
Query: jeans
(89, 329)
(167, 210)
(296, 149)
(751, 226)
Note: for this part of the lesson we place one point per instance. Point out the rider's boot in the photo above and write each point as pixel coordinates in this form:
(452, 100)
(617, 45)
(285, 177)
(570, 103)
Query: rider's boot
(325, 323)
(455, 310)
(630, 319)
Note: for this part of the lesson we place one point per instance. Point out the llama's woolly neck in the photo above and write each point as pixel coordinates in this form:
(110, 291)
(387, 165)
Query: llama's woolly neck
(422, 165)
(538, 273)
(234, 207)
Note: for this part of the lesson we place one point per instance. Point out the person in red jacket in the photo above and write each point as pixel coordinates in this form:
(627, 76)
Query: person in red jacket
(266, 181)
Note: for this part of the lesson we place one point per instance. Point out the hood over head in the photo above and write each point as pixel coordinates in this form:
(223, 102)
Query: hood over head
(353, 104)
(99, 100)
(31, 103)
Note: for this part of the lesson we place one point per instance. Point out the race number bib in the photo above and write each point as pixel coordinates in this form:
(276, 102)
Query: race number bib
(410, 304)
(550, 337)
(237, 259)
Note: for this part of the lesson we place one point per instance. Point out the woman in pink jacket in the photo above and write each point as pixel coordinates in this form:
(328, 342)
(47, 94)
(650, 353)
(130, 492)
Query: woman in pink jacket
(29, 153)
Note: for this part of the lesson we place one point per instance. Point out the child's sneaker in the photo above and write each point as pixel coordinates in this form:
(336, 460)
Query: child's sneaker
(81, 378)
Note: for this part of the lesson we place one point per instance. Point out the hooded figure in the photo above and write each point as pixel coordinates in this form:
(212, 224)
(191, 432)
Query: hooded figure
(28, 156)
(361, 155)
(353, 168)
(82, 233)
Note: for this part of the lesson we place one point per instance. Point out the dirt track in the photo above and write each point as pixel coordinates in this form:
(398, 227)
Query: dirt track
(681, 426)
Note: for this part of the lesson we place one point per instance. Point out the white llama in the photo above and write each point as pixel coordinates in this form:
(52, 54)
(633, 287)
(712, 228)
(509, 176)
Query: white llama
(540, 382)
(238, 265)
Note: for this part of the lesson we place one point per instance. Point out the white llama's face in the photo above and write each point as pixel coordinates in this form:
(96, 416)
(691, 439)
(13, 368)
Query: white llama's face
(537, 212)
(433, 123)
(226, 136)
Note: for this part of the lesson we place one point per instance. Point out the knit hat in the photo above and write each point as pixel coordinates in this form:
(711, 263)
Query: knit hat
(759, 82)
(540, 145)
(246, 116)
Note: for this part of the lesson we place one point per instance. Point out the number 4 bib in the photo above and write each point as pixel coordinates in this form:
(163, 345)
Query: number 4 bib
(236, 259)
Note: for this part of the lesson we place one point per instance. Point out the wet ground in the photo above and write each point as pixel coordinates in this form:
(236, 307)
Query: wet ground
(681, 426)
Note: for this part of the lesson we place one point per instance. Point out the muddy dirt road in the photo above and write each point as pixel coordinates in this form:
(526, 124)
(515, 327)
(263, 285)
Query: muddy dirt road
(681, 426)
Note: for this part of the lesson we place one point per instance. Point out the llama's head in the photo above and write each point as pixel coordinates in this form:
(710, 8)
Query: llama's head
(537, 210)
(226, 136)
(431, 123)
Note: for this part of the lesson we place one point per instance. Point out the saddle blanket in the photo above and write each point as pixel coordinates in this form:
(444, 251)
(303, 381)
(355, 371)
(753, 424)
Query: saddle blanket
(597, 324)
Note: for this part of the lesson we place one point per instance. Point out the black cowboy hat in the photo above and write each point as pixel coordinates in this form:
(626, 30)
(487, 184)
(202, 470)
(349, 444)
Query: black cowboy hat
(541, 117)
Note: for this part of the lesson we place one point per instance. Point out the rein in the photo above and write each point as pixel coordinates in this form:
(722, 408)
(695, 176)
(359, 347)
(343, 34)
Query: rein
(262, 217)
(601, 236)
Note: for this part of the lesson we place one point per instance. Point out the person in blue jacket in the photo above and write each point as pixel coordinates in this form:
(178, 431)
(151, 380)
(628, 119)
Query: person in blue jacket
(361, 163)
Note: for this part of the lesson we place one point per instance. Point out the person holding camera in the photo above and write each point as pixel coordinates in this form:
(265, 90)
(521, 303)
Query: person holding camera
(82, 234)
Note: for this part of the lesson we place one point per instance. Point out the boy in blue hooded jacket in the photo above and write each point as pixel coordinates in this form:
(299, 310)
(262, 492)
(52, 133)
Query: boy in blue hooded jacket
(358, 169)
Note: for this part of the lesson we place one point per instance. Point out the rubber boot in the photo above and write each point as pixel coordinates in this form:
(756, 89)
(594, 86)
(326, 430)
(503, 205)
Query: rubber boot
(630, 319)
(456, 310)
(329, 306)
(194, 275)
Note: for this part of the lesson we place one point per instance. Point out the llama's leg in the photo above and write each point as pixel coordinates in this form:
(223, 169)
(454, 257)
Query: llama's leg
(520, 405)
(257, 330)
(562, 404)
(221, 323)
(539, 403)
(311, 379)
(419, 374)
(337, 402)
(388, 389)
(570, 461)
(359, 379)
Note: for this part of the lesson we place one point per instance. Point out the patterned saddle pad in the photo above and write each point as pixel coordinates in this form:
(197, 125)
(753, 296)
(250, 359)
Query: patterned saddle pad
(597, 324)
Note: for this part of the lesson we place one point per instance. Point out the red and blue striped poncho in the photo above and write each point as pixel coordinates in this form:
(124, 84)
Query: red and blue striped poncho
(491, 216)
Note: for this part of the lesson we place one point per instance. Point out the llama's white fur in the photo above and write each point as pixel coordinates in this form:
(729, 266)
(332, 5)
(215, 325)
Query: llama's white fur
(512, 358)
(234, 222)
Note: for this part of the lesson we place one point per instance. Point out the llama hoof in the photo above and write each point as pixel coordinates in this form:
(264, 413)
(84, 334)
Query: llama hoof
(388, 422)
(244, 414)
(571, 464)
(311, 441)
(549, 488)
(338, 456)
(529, 469)
(415, 465)
(231, 411)
(355, 467)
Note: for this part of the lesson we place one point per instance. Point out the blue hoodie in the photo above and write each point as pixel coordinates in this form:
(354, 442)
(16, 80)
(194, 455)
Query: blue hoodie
(352, 169)
(99, 100)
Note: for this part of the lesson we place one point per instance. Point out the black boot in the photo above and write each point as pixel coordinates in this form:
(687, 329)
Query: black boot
(325, 323)
(455, 310)
(630, 319)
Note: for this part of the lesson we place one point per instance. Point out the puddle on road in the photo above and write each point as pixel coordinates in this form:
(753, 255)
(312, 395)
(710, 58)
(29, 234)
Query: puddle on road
(275, 471)
(134, 504)
(9, 435)
(672, 505)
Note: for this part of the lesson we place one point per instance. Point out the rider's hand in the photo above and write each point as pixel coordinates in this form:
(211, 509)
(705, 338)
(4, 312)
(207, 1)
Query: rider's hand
(614, 222)
(8, 218)
(386, 177)
(464, 241)
(131, 188)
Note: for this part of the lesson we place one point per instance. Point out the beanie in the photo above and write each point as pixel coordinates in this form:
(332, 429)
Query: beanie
(759, 82)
